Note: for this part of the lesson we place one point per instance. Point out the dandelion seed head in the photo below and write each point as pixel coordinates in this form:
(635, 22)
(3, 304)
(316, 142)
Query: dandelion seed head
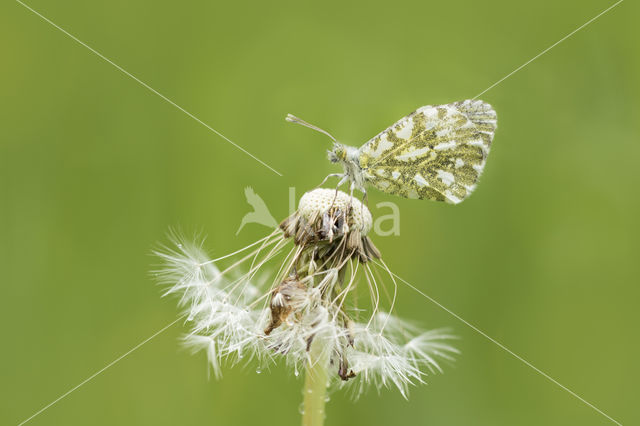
(321, 201)
(306, 305)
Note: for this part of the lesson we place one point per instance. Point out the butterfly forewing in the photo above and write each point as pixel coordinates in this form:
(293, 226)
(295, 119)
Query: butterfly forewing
(437, 152)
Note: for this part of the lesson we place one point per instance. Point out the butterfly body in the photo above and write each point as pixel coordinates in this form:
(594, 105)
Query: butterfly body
(349, 158)
(436, 152)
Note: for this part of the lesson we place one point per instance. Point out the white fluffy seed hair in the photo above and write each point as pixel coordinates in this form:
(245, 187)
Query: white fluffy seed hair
(390, 352)
(228, 314)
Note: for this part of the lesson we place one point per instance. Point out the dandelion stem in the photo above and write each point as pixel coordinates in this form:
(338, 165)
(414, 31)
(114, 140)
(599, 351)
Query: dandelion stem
(315, 386)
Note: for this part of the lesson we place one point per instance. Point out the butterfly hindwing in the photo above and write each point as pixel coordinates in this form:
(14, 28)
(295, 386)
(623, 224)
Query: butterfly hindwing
(437, 152)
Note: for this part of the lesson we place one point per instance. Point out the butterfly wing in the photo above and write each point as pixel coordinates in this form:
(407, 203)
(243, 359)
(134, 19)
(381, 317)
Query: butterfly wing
(437, 152)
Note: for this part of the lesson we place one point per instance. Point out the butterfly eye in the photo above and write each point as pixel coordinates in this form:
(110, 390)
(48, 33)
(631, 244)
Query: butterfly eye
(332, 156)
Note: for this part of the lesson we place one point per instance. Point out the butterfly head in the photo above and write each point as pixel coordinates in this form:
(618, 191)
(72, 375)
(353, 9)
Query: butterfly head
(338, 153)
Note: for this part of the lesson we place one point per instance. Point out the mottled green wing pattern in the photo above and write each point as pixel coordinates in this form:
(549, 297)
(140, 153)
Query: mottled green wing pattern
(437, 152)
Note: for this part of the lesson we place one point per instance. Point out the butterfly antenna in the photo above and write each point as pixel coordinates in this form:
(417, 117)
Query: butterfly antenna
(293, 119)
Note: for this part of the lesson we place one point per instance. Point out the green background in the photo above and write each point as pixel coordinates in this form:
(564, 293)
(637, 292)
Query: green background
(94, 169)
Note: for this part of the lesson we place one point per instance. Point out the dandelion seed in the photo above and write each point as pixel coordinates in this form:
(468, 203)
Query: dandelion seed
(304, 313)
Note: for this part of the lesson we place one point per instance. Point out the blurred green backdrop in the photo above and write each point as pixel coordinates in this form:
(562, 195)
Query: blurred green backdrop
(94, 169)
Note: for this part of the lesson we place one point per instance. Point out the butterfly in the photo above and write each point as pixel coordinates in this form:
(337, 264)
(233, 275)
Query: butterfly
(436, 153)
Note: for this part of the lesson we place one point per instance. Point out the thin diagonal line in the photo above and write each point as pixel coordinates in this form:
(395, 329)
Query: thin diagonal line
(88, 379)
(547, 49)
(145, 85)
(504, 348)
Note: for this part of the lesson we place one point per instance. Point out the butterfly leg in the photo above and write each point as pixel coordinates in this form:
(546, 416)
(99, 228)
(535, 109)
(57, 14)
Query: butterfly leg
(330, 176)
(351, 188)
(365, 200)
(342, 181)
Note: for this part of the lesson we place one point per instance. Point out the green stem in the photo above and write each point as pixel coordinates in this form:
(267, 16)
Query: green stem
(315, 387)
